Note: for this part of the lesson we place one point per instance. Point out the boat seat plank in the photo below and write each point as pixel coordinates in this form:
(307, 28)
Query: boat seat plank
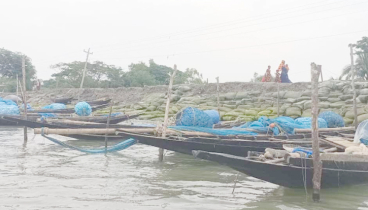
(340, 141)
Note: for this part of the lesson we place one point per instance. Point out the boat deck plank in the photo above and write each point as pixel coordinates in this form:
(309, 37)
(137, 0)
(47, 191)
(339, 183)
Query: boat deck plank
(341, 142)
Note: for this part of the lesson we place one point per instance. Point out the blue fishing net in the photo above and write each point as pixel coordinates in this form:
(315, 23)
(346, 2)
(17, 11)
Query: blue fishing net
(333, 119)
(307, 122)
(191, 116)
(261, 125)
(47, 115)
(214, 114)
(55, 106)
(9, 102)
(288, 124)
(8, 107)
(114, 114)
(29, 107)
(219, 132)
(83, 109)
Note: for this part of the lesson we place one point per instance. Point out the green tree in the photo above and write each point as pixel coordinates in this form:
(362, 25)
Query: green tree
(98, 74)
(361, 62)
(11, 66)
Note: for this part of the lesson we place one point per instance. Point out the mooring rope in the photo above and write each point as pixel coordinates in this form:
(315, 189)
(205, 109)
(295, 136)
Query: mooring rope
(117, 147)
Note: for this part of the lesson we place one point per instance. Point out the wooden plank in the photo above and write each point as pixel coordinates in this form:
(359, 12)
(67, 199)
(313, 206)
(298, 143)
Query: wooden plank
(341, 142)
(307, 130)
(74, 131)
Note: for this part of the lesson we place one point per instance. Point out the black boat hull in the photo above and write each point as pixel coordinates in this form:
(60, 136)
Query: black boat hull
(35, 124)
(239, 148)
(289, 175)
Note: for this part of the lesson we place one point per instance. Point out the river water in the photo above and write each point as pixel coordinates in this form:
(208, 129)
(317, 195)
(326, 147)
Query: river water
(44, 175)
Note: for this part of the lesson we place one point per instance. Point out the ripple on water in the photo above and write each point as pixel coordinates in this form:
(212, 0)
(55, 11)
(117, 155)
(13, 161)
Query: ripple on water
(46, 176)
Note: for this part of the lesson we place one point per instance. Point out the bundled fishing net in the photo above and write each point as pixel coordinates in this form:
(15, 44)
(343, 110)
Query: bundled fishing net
(307, 122)
(114, 114)
(29, 107)
(55, 106)
(83, 109)
(191, 116)
(333, 119)
(214, 114)
(8, 107)
(288, 124)
(218, 132)
(262, 125)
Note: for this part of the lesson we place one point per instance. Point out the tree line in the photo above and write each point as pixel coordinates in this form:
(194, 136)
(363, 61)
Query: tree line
(102, 75)
(98, 74)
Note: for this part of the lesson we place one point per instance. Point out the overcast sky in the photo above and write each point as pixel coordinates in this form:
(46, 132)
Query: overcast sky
(231, 39)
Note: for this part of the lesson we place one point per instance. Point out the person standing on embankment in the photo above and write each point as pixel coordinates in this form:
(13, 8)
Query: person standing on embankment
(267, 77)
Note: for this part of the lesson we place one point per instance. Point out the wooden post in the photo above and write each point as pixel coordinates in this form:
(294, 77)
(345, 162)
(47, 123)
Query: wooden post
(161, 151)
(353, 85)
(107, 126)
(218, 94)
(85, 68)
(317, 164)
(17, 88)
(278, 96)
(24, 97)
(321, 75)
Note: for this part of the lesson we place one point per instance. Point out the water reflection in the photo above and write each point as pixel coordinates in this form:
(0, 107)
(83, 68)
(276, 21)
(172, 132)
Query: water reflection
(46, 176)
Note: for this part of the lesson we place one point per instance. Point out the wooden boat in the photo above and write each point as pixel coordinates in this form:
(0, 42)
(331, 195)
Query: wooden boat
(338, 169)
(186, 145)
(102, 119)
(62, 100)
(65, 123)
(99, 102)
(10, 121)
(65, 111)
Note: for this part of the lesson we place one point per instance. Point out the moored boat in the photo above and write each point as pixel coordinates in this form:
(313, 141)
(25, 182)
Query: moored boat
(338, 169)
(66, 100)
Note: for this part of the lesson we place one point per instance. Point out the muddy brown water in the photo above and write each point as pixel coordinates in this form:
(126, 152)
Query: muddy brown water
(44, 175)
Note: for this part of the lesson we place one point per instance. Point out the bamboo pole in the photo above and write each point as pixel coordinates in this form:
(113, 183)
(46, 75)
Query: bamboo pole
(107, 126)
(75, 131)
(317, 164)
(161, 151)
(24, 97)
(307, 130)
(278, 96)
(17, 88)
(218, 94)
(353, 85)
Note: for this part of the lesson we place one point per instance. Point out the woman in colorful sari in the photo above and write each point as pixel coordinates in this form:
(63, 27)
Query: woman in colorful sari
(285, 75)
(267, 77)
(278, 71)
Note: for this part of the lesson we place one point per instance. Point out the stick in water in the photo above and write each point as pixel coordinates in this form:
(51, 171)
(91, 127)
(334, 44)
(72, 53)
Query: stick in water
(107, 126)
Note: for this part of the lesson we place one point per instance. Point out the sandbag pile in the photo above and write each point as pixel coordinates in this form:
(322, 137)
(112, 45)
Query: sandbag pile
(248, 105)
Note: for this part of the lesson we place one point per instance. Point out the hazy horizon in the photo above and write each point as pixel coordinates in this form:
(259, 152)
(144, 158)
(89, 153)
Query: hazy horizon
(230, 39)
